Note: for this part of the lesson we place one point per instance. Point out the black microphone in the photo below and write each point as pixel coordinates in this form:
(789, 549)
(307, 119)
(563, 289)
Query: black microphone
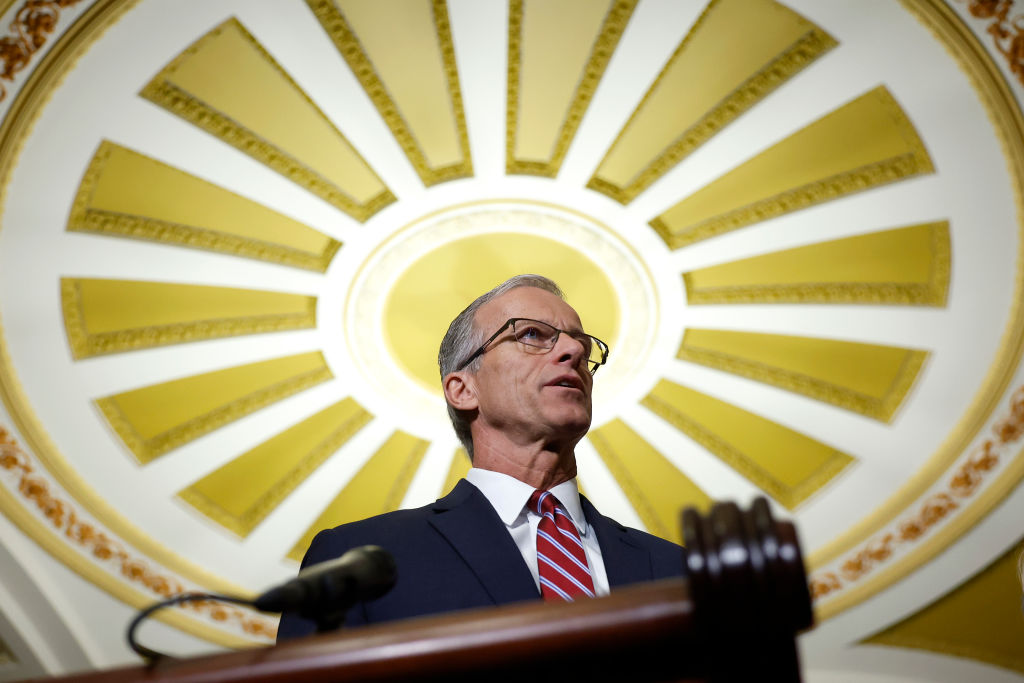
(325, 591)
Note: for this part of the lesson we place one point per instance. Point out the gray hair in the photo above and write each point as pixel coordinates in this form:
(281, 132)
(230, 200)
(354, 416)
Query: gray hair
(463, 338)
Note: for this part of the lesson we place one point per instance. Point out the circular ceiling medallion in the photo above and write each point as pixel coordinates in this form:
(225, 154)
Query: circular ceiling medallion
(232, 238)
(413, 285)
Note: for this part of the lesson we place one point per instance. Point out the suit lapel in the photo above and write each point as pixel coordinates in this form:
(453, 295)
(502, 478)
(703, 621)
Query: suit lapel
(625, 561)
(470, 524)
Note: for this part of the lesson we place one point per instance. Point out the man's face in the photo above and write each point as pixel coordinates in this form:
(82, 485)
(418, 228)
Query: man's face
(523, 393)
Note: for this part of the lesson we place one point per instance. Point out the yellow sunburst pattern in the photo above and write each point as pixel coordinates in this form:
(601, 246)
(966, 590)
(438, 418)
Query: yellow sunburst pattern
(908, 266)
(866, 143)
(222, 83)
(155, 419)
(231, 87)
(110, 316)
(379, 486)
(779, 460)
(259, 338)
(127, 194)
(241, 493)
(416, 90)
(867, 378)
(557, 53)
(689, 103)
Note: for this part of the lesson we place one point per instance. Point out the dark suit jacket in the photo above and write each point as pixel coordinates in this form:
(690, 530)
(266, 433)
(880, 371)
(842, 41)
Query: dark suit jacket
(456, 554)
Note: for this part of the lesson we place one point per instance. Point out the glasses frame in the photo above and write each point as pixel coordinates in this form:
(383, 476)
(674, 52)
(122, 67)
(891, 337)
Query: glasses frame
(511, 323)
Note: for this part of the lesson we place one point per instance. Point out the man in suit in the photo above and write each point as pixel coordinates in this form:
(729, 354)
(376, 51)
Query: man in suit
(517, 373)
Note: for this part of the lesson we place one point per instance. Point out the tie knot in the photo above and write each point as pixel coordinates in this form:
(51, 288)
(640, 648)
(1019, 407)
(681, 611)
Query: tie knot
(543, 502)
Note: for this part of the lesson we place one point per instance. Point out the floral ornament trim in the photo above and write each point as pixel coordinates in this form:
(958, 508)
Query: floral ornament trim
(1007, 32)
(16, 465)
(33, 23)
(962, 485)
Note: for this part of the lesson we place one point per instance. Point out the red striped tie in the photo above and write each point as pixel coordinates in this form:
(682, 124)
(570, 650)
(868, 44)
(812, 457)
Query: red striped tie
(561, 560)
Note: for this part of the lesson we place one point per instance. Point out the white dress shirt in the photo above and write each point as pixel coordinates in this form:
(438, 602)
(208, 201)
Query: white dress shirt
(509, 496)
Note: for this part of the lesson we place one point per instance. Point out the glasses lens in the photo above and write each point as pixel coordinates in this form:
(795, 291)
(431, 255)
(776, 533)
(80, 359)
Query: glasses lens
(598, 354)
(534, 333)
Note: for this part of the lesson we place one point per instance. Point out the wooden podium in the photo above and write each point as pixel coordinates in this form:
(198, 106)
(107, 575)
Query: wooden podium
(734, 618)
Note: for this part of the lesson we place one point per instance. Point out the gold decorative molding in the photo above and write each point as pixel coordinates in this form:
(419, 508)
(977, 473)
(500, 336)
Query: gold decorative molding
(221, 221)
(656, 489)
(976, 401)
(123, 411)
(823, 161)
(65, 521)
(379, 486)
(33, 23)
(24, 110)
(295, 312)
(164, 91)
(808, 43)
(785, 464)
(240, 494)
(950, 625)
(851, 293)
(935, 509)
(1008, 123)
(604, 45)
(346, 40)
(812, 367)
(901, 266)
(1007, 33)
(444, 37)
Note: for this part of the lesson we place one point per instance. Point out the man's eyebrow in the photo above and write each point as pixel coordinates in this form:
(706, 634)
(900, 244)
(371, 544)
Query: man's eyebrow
(571, 330)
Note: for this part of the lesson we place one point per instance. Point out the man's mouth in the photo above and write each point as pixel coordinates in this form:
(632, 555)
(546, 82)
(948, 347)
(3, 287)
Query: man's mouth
(568, 382)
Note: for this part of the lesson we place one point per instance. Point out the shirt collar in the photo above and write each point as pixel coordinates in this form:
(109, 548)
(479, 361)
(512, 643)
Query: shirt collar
(509, 496)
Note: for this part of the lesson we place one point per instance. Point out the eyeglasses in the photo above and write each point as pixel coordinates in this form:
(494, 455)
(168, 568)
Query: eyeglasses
(534, 334)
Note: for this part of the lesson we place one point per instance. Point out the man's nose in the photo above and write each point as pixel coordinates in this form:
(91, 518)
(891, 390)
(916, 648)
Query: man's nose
(569, 348)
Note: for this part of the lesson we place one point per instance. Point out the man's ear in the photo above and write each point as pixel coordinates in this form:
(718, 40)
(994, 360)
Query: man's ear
(460, 390)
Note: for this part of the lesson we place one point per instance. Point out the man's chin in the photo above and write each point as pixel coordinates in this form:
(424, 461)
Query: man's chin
(575, 425)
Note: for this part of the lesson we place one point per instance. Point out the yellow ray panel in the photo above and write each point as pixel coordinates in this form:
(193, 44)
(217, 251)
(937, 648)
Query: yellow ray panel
(657, 490)
(240, 494)
(108, 316)
(754, 45)
(901, 266)
(865, 143)
(378, 487)
(457, 470)
(229, 86)
(158, 418)
(954, 625)
(402, 53)
(785, 464)
(124, 193)
(866, 378)
(557, 52)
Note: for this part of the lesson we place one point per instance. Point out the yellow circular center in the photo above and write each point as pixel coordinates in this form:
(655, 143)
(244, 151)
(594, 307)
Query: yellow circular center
(435, 288)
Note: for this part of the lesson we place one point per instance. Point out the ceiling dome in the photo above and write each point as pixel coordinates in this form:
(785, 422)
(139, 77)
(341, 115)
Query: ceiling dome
(233, 233)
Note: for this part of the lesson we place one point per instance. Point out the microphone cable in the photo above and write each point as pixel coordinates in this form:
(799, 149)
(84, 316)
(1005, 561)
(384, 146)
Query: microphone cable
(152, 656)
(323, 592)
